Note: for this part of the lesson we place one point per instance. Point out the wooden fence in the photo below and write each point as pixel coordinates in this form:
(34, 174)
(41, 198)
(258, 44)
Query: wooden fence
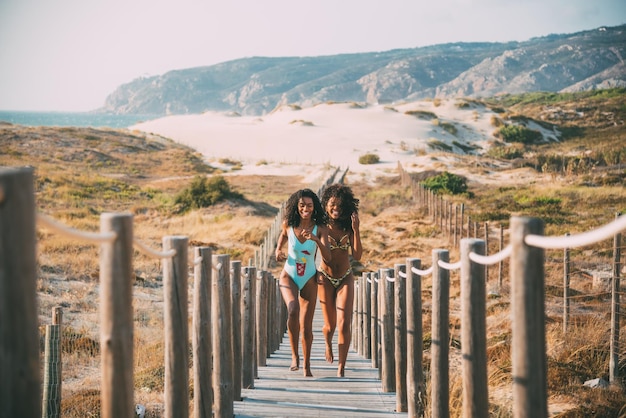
(235, 310)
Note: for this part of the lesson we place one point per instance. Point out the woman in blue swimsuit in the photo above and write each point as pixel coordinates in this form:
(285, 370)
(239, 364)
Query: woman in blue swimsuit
(304, 229)
(336, 281)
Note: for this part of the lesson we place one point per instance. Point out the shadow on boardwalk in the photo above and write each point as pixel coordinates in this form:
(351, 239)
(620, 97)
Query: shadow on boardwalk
(279, 392)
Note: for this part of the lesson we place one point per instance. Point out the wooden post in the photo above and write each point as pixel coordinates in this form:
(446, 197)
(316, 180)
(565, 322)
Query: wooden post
(175, 274)
(116, 316)
(269, 337)
(501, 263)
(355, 318)
(201, 338)
(473, 331)
(235, 289)
(375, 323)
(367, 318)
(269, 286)
(52, 378)
(456, 225)
(387, 333)
(249, 325)
(461, 223)
(440, 332)
(223, 396)
(486, 226)
(20, 384)
(414, 342)
(358, 331)
(400, 338)
(261, 319)
(615, 309)
(566, 287)
(528, 321)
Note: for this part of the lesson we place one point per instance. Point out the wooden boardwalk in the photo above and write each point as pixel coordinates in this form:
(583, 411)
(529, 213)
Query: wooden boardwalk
(279, 392)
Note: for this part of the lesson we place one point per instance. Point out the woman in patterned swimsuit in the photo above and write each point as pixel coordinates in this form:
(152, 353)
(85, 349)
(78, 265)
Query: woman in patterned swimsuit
(336, 281)
(304, 229)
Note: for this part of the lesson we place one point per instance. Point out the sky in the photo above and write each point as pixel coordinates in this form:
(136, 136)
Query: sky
(69, 55)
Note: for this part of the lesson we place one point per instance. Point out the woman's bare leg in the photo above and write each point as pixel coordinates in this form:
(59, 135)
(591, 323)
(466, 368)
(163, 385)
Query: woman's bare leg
(345, 303)
(329, 311)
(289, 292)
(308, 300)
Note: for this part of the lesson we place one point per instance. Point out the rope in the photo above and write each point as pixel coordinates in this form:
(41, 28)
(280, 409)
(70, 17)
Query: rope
(449, 266)
(95, 238)
(152, 253)
(491, 259)
(580, 240)
(422, 272)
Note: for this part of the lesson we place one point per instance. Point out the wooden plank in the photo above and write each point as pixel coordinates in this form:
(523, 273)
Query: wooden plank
(279, 392)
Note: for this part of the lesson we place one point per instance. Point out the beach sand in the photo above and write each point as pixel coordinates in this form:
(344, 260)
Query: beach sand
(308, 141)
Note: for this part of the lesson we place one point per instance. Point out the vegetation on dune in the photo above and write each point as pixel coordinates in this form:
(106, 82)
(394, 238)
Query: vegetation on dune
(369, 158)
(446, 183)
(204, 192)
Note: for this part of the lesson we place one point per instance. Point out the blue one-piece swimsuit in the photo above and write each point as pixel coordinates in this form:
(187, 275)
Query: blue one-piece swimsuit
(300, 264)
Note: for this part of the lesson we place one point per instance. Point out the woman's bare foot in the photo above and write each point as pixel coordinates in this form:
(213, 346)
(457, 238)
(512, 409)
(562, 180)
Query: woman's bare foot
(340, 371)
(329, 354)
(295, 364)
(307, 372)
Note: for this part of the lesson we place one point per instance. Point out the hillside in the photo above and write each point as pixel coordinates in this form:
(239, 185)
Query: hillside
(573, 62)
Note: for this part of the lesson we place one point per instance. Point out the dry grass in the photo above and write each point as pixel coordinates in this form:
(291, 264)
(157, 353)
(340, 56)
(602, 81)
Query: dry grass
(81, 173)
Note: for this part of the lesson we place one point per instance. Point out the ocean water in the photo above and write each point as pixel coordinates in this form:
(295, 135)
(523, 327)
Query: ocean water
(75, 119)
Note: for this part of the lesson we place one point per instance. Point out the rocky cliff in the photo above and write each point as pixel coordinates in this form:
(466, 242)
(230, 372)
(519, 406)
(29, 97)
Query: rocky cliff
(255, 86)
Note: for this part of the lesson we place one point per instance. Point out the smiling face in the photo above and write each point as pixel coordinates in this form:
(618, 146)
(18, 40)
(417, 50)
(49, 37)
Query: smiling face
(333, 208)
(305, 207)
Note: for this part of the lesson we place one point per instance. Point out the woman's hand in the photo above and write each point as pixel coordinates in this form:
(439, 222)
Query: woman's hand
(355, 221)
(280, 256)
(306, 234)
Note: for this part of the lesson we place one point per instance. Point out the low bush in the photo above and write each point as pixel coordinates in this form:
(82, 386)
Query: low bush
(369, 158)
(446, 183)
(204, 192)
(517, 133)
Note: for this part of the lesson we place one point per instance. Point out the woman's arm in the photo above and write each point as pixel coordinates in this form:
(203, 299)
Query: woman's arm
(323, 244)
(280, 256)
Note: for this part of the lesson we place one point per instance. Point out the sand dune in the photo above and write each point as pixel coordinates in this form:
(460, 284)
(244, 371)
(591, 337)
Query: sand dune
(291, 139)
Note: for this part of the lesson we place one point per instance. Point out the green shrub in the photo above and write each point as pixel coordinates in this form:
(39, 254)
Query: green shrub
(369, 158)
(204, 192)
(446, 183)
(517, 133)
(505, 152)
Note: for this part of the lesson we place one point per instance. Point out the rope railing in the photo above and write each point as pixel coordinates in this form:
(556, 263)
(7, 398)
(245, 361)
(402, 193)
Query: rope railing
(570, 241)
(526, 252)
(19, 220)
(580, 240)
(97, 237)
(93, 237)
(144, 249)
(526, 278)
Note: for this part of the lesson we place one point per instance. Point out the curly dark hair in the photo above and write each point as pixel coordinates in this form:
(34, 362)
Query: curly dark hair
(291, 208)
(349, 204)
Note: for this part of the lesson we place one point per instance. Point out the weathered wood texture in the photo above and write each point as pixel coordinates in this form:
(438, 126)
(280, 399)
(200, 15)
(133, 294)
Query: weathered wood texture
(279, 392)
